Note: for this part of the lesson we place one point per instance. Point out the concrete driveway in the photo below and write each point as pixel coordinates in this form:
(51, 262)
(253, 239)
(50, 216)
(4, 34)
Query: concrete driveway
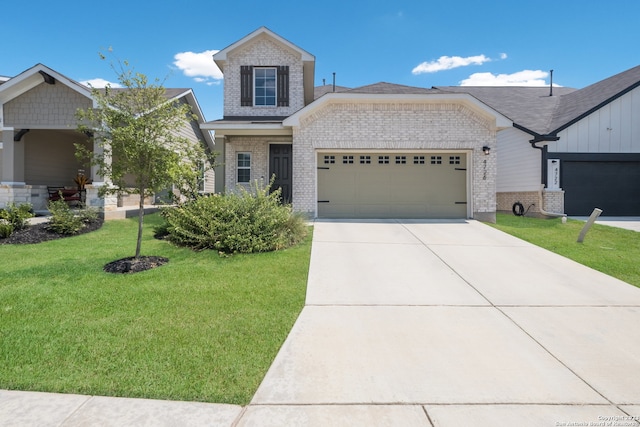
(452, 323)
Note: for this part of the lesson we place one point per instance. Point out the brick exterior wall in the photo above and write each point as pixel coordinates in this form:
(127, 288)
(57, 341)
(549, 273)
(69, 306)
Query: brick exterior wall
(553, 201)
(259, 149)
(395, 126)
(505, 201)
(38, 197)
(262, 52)
(35, 106)
(18, 194)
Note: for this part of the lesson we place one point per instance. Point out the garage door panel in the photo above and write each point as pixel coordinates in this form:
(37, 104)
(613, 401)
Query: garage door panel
(613, 186)
(406, 185)
(338, 186)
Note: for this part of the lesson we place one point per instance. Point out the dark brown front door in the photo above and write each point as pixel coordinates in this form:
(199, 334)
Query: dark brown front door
(280, 166)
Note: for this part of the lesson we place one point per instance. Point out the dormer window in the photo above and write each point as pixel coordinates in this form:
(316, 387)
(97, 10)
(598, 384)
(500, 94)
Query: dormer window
(264, 86)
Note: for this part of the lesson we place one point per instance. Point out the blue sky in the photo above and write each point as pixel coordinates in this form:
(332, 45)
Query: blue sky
(417, 43)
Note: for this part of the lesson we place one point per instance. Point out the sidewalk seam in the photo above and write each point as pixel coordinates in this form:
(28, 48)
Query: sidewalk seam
(75, 411)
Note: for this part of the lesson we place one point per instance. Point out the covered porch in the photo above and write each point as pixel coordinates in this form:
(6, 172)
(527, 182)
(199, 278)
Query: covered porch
(37, 162)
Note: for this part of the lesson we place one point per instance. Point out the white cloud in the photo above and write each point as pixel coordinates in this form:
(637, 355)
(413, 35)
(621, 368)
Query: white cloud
(448, 63)
(98, 83)
(503, 56)
(199, 65)
(520, 78)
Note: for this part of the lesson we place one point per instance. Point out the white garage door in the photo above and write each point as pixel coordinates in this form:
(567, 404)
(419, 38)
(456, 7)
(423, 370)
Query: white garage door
(392, 185)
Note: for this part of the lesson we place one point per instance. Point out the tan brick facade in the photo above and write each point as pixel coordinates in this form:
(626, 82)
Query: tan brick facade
(553, 202)
(395, 126)
(262, 52)
(259, 149)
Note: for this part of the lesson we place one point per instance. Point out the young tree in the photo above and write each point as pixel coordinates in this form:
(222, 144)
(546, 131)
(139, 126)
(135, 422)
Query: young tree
(140, 150)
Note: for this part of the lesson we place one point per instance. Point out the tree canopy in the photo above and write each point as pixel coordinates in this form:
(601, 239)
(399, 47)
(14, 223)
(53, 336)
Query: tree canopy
(137, 144)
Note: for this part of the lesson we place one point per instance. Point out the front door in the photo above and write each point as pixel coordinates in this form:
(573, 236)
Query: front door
(280, 166)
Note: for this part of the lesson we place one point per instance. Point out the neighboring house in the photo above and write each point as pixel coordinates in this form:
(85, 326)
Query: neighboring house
(582, 145)
(38, 133)
(379, 151)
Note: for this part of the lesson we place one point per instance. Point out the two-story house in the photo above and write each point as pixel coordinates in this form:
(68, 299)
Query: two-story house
(392, 151)
(379, 151)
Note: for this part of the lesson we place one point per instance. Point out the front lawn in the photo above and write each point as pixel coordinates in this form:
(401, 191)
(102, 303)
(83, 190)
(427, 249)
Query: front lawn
(611, 250)
(200, 328)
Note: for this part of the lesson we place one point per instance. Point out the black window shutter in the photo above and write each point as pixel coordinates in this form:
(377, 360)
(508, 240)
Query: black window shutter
(246, 85)
(283, 86)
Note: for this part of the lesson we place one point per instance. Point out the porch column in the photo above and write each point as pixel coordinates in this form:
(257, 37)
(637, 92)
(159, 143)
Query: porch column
(96, 178)
(219, 170)
(12, 159)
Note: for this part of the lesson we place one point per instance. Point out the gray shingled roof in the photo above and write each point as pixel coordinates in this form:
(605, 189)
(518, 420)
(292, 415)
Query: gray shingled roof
(580, 103)
(392, 89)
(169, 93)
(534, 109)
(530, 107)
(318, 91)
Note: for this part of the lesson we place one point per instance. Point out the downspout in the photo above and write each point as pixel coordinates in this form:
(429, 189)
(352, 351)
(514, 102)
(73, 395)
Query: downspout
(542, 211)
(533, 142)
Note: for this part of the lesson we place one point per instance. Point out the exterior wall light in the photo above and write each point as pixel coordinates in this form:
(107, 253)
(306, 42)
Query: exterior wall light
(486, 149)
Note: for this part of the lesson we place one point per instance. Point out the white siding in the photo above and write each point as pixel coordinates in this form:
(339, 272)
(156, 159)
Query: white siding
(615, 128)
(518, 163)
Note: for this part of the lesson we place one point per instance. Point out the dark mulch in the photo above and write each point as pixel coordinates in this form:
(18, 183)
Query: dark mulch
(38, 233)
(135, 265)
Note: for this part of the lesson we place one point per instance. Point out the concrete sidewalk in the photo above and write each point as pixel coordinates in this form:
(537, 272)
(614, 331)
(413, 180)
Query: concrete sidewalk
(627, 222)
(421, 323)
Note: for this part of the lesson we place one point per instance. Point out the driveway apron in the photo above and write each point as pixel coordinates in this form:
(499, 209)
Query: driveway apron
(447, 323)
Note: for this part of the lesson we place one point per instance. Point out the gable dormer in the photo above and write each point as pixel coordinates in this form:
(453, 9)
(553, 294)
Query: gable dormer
(265, 76)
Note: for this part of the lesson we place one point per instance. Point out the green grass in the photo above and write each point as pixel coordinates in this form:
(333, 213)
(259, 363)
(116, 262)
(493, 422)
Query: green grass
(200, 328)
(611, 250)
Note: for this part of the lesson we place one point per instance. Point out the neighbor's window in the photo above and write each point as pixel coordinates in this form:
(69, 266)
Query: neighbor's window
(264, 86)
(244, 167)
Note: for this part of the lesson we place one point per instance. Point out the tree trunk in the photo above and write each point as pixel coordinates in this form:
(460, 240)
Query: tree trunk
(140, 223)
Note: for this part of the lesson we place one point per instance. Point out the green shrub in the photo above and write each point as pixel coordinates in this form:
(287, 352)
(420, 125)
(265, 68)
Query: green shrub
(241, 222)
(5, 228)
(66, 221)
(16, 216)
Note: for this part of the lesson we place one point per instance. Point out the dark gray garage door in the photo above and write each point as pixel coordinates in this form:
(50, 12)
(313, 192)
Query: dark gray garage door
(613, 186)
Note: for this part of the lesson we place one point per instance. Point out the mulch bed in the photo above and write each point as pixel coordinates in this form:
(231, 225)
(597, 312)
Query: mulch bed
(38, 233)
(135, 265)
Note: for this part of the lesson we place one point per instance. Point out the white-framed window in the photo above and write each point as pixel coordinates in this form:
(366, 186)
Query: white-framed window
(243, 167)
(264, 86)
